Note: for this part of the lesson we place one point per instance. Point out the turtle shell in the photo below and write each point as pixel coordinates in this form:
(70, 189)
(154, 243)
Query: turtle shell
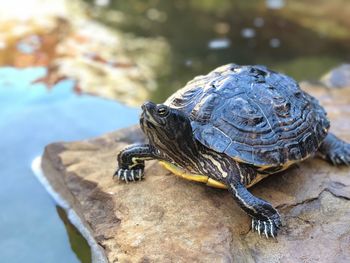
(253, 114)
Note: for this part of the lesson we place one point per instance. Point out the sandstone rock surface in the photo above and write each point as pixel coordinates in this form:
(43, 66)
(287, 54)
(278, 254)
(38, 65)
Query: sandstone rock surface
(167, 219)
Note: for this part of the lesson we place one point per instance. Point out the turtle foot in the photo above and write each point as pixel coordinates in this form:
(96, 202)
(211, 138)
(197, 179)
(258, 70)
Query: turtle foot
(335, 150)
(340, 155)
(129, 175)
(267, 227)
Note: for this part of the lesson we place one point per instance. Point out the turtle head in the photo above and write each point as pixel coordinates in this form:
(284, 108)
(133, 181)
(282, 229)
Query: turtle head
(164, 122)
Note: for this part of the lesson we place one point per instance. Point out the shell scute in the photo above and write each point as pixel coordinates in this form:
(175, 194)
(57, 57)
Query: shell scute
(219, 144)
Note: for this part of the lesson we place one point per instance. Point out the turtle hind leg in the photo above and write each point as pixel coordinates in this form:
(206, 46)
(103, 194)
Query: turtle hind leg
(265, 219)
(335, 150)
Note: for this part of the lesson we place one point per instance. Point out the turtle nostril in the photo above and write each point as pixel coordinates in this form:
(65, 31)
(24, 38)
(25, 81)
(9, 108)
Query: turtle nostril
(147, 105)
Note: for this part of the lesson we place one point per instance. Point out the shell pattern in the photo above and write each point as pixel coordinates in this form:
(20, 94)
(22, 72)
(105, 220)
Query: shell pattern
(253, 114)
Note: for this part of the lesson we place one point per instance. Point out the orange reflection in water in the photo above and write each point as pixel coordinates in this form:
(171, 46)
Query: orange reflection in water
(27, 44)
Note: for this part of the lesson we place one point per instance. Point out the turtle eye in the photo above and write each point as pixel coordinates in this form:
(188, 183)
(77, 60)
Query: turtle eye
(162, 111)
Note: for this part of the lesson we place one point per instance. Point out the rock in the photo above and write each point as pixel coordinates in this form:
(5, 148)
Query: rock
(338, 77)
(167, 219)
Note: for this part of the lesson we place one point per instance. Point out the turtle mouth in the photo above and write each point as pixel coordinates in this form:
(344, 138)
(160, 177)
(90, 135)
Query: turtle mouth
(148, 120)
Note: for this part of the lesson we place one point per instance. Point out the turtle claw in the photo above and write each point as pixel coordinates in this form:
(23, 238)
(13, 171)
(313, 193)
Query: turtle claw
(267, 227)
(129, 175)
(336, 151)
(340, 156)
(345, 159)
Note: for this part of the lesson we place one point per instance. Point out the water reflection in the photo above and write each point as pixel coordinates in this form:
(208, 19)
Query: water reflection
(266, 32)
(78, 244)
(248, 32)
(275, 42)
(275, 4)
(31, 117)
(219, 43)
(102, 61)
(102, 2)
(259, 22)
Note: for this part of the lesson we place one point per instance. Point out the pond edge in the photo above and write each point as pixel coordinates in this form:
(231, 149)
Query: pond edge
(97, 252)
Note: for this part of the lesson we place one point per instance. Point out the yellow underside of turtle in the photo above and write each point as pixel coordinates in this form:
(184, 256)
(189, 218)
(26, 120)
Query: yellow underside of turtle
(178, 171)
(192, 177)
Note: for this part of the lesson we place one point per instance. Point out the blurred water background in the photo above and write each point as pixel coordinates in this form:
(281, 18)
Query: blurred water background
(71, 70)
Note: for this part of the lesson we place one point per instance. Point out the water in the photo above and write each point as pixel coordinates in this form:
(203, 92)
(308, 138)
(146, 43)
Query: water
(31, 117)
(304, 39)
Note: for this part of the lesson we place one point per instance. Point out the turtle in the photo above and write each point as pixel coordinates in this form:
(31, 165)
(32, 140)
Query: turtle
(230, 129)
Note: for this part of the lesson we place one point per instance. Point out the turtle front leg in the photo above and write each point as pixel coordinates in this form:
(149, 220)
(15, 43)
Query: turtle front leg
(265, 218)
(131, 161)
(335, 150)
